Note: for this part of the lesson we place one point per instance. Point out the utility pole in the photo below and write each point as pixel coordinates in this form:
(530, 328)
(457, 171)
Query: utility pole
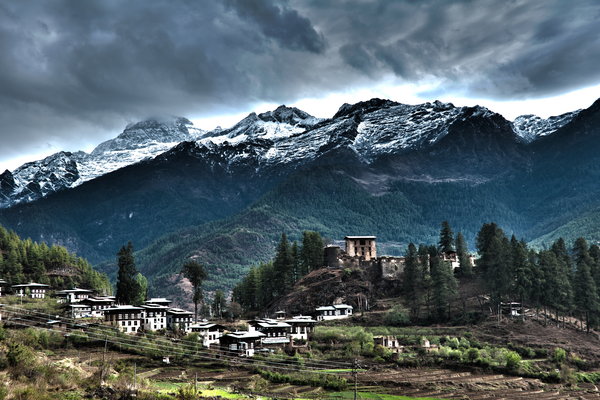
(103, 358)
(355, 378)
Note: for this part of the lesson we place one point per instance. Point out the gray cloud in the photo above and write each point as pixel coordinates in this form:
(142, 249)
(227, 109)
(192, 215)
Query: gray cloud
(71, 69)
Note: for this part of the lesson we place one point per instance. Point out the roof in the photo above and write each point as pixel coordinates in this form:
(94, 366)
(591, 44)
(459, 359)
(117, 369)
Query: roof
(206, 325)
(179, 311)
(32, 284)
(338, 306)
(154, 307)
(300, 318)
(326, 308)
(158, 300)
(78, 306)
(360, 237)
(74, 290)
(100, 299)
(123, 308)
(245, 335)
(269, 323)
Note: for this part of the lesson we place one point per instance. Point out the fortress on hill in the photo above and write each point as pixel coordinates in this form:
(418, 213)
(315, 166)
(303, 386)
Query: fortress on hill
(361, 253)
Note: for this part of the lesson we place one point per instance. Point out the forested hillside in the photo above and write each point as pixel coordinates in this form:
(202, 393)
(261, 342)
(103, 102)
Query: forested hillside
(24, 261)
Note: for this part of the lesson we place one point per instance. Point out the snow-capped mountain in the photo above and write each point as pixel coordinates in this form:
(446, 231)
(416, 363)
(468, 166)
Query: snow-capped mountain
(259, 144)
(137, 142)
(531, 127)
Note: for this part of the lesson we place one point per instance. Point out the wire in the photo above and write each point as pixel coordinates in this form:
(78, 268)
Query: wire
(102, 333)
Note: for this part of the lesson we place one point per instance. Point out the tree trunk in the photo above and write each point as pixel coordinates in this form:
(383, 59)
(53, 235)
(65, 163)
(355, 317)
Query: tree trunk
(545, 315)
(522, 308)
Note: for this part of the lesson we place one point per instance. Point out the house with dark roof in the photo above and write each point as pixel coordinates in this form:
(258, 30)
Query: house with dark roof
(128, 318)
(36, 290)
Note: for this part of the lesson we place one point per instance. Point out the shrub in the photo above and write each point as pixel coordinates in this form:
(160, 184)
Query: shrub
(473, 354)
(559, 355)
(541, 353)
(19, 355)
(453, 343)
(378, 359)
(455, 355)
(513, 360)
(397, 316)
(464, 343)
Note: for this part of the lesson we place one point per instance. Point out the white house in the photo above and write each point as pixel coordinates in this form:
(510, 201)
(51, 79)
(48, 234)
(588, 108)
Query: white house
(209, 333)
(241, 343)
(128, 318)
(301, 326)
(99, 304)
(335, 311)
(154, 316)
(37, 290)
(276, 331)
(182, 318)
(79, 310)
(74, 295)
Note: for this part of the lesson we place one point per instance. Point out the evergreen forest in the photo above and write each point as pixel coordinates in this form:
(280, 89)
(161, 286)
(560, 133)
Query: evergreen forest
(24, 261)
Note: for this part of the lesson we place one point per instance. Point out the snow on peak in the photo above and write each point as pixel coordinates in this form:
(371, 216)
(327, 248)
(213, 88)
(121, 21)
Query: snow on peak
(531, 127)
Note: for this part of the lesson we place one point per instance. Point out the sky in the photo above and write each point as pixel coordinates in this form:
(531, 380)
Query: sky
(74, 73)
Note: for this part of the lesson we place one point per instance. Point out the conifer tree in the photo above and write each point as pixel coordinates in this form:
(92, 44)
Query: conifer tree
(196, 274)
(282, 266)
(127, 286)
(586, 294)
(446, 243)
(464, 259)
(219, 303)
(522, 269)
(311, 254)
(413, 281)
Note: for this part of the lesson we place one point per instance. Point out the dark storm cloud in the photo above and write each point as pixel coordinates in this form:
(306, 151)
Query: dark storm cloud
(85, 68)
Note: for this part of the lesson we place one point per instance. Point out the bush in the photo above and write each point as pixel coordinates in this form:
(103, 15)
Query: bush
(513, 360)
(455, 355)
(397, 316)
(559, 355)
(464, 343)
(19, 356)
(453, 343)
(473, 354)
(378, 359)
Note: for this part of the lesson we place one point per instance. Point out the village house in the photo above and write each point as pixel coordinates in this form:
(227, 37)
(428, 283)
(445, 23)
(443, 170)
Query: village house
(98, 305)
(128, 318)
(182, 318)
(79, 310)
(37, 290)
(452, 258)
(301, 326)
(154, 316)
(209, 333)
(275, 331)
(74, 295)
(335, 311)
(241, 344)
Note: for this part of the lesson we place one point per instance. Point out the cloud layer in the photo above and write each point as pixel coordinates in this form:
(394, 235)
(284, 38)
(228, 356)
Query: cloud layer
(72, 71)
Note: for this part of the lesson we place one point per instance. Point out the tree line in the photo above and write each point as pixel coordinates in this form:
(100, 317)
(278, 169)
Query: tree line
(566, 281)
(278, 276)
(24, 261)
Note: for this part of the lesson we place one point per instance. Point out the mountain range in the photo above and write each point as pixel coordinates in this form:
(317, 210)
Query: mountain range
(376, 167)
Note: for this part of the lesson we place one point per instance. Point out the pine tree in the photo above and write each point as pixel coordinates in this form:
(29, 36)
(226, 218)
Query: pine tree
(127, 286)
(522, 269)
(219, 303)
(464, 259)
(494, 264)
(586, 294)
(282, 266)
(413, 281)
(311, 254)
(446, 243)
(196, 274)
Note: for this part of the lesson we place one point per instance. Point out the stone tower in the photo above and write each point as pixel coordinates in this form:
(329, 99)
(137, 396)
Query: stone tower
(361, 246)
